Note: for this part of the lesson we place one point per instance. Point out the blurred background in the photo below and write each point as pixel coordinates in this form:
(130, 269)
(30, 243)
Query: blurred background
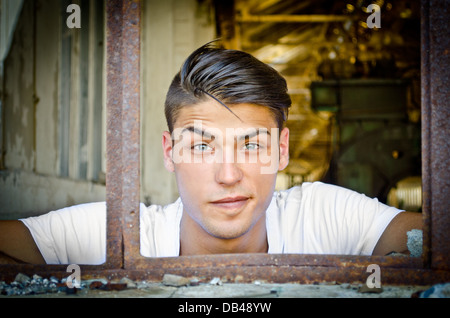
(354, 122)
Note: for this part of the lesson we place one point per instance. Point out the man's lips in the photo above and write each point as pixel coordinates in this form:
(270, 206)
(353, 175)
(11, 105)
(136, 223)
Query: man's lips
(231, 199)
(231, 202)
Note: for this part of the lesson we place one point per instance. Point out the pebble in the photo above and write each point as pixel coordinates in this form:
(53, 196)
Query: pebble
(194, 282)
(216, 281)
(175, 280)
(130, 284)
(366, 289)
(96, 285)
(437, 291)
(22, 279)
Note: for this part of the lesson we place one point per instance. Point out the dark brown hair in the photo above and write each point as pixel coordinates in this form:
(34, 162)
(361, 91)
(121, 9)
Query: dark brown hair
(230, 77)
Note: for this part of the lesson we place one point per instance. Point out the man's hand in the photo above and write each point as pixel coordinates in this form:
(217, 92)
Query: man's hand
(394, 238)
(17, 245)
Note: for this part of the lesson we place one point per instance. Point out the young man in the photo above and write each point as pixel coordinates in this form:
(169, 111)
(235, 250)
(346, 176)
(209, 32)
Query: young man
(226, 141)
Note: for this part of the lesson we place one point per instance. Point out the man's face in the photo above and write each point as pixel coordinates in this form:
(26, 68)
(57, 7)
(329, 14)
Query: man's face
(225, 166)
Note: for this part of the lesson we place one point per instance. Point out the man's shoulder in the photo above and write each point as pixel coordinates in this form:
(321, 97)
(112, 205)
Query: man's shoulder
(313, 197)
(161, 208)
(305, 189)
(159, 229)
(102, 207)
(99, 209)
(168, 211)
(311, 188)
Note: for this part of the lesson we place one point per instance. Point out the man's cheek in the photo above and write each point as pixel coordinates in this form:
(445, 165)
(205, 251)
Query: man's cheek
(269, 157)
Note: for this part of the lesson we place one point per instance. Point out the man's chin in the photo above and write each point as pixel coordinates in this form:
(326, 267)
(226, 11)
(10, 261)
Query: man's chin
(226, 234)
(230, 229)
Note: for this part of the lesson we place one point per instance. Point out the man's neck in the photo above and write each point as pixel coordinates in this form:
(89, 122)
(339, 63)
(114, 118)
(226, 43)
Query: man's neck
(196, 241)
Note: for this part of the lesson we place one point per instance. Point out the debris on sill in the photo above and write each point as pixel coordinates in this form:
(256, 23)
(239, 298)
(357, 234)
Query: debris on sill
(178, 286)
(415, 242)
(25, 285)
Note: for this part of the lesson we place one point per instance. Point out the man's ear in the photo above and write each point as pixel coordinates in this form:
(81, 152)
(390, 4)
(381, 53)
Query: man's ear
(167, 151)
(284, 149)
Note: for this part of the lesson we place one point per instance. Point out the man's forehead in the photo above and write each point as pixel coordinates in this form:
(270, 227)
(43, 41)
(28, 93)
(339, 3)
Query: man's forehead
(213, 115)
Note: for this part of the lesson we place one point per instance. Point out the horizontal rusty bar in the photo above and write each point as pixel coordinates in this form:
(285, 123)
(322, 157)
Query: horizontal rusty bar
(276, 260)
(277, 268)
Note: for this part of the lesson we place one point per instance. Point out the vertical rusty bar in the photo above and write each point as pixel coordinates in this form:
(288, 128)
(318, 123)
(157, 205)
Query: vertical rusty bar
(122, 175)
(426, 141)
(131, 126)
(435, 131)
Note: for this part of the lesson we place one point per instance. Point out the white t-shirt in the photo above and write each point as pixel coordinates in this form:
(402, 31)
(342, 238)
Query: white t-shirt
(314, 218)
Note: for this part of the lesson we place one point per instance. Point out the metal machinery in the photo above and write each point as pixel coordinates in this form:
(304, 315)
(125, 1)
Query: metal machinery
(376, 143)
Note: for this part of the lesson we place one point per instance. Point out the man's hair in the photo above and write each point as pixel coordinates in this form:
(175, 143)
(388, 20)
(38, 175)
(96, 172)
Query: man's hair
(230, 77)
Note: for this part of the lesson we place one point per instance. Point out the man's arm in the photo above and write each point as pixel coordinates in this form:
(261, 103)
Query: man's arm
(394, 237)
(17, 245)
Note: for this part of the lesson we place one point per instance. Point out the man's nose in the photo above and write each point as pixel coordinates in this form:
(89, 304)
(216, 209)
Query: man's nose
(228, 171)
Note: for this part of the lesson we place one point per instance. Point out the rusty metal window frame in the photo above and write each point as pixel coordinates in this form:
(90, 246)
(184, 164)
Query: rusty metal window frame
(123, 186)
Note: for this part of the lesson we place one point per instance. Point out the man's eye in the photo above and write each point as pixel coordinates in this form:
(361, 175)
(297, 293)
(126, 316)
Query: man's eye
(201, 147)
(251, 146)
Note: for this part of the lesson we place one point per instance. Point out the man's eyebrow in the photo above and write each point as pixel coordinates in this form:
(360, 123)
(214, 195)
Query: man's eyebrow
(201, 132)
(253, 133)
(249, 133)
